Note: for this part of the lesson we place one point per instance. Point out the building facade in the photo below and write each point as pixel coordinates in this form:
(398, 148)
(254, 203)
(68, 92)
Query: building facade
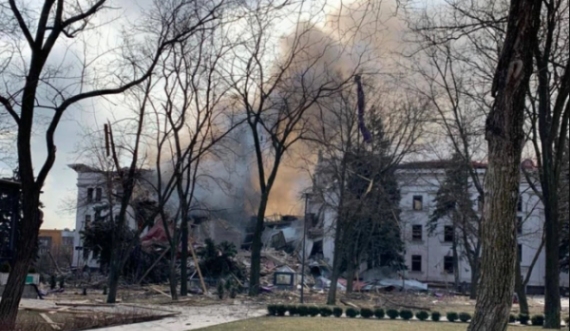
(429, 256)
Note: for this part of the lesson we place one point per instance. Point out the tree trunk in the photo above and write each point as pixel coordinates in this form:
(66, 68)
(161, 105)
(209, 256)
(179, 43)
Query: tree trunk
(456, 263)
(520, 289)
(331, 299)
(25, 252)
(552, 277)
(172, 267)
(505, 136)
(350, 275)
(184, 258)
(474, 282)
(256, 246)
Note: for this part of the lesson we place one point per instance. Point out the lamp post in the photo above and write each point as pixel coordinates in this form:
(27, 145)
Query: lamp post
(307, 195)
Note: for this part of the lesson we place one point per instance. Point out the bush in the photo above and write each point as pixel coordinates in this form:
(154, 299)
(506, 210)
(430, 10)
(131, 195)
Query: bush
(326, 311)
(452, 316)
(422, 315)
(281, 310)
(314, 311)
(436, 316)
(62, 282)
(567, 321)
(303, 311)
(352, 312)
(233, 293)
(524, 319)
(406, 314)
(337, 312)
(32, 270)
(465, 317)
(5, 268)
(538, 320)
(366, 313)
(379, 313)
(293, 310)
(512, 319)
(393, 314)
(271, 310)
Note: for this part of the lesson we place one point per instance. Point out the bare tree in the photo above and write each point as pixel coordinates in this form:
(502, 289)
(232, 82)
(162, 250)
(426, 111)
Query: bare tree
(357, 191)
(38, 33)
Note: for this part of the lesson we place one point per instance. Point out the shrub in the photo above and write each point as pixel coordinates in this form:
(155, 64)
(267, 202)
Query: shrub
(524, 319)
(464, 317)
(567, 321)
(32, 270)
(281, 310)
(314, 311)
(422, 315)
(379, 313)
(393, 314)
(352, 312)
(5, 268)
(537, 320)
(436, 316)
(512, 319)
(293, 310)
(366, 313)
(233, 293)
(406, 314)
(452, 316)
(303, 311)
(62, 282)
(337, 312)
(326, 311)
(271, 310)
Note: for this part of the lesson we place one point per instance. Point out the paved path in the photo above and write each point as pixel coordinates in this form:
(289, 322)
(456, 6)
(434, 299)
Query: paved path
(192, 318)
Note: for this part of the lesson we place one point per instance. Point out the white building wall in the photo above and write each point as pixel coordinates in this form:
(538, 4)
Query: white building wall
(432, 248)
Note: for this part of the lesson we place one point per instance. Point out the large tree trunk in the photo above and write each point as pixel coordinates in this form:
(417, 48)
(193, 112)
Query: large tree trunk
(184, 258)
(350, 275)
(256, 246)
(520, 289)
(25, 252)
(456, 277)
(172, 267)
(505, 136)
(552, 277)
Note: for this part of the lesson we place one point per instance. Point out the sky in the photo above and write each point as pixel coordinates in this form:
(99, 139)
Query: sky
(60, 189)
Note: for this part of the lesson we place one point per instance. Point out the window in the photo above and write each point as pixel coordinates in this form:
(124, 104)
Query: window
(448, 265)
(90, 195)
(418, 202)
(416, 263)
(417, 233)
(87, 221)
(520, 203)
(519, 225)
(99, 194)
(520, 253)
(448, 234)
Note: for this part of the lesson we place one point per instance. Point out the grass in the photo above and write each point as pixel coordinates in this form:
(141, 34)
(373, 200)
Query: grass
(317, 324)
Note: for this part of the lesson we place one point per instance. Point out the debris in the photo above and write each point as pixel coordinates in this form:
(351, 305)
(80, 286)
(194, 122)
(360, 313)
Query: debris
(348, 303)
(153, 265)
(49, 321)
(161, 292)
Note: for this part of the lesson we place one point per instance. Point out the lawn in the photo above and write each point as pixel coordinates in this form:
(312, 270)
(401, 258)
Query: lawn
(343, 324)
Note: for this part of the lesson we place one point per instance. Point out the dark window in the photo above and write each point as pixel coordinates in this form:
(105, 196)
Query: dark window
(99, 194)
(520, 252)
(87, 221)
(418, 202)
(520, 203)
(448, 265)
(89, 195)
(448, 234)
(519, 225)
(417, 263)
(417, 233)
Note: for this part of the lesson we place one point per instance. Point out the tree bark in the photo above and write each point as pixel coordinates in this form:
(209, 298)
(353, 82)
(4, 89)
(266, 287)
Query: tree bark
(172, 266)
(505, 136)
(351, 274)
(552, 297)
(25, 252)
(255, 270)
(474, 282)
(184, 258)
(520, 289)
(331, 299)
